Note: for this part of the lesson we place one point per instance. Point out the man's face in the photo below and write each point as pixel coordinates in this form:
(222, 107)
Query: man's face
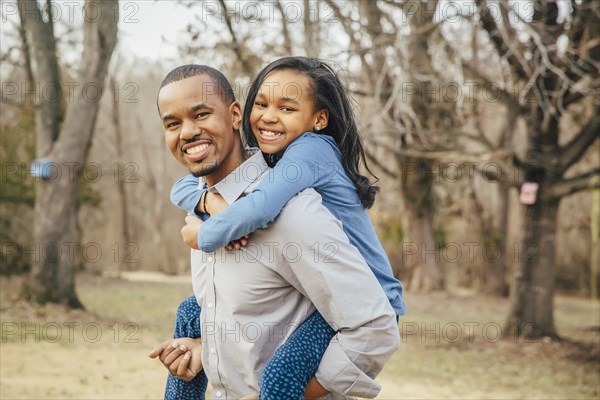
(200, 127)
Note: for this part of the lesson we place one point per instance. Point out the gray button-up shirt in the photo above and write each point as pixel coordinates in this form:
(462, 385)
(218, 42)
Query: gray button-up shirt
(252, 299)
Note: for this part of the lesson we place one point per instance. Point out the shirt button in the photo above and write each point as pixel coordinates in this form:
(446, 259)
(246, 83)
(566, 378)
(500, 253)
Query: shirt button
(210, 305)
(219, 394)
(210, 259)
(212, 351)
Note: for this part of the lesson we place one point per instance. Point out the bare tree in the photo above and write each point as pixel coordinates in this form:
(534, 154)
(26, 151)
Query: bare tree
(378, 77)
(551, 64)
(66, 142)
(552, 81)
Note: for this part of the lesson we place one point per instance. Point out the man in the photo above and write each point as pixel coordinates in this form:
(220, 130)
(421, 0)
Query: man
(253, 298)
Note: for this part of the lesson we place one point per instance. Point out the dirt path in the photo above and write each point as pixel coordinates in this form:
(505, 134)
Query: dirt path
(49, 352)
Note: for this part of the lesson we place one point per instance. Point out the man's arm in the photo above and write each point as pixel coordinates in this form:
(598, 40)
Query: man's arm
(335, 277)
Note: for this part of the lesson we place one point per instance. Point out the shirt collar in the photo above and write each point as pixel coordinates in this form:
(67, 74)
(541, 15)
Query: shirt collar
(240, 179)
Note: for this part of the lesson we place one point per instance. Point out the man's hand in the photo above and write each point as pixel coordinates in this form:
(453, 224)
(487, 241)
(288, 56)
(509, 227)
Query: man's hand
(190, 231)
(182, 357)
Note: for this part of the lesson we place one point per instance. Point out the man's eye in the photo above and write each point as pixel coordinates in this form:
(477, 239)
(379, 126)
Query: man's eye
(172, 124)
(202, 114)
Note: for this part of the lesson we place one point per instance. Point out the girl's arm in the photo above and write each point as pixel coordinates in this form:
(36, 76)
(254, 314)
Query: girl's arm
(298, 169)
(185, 194)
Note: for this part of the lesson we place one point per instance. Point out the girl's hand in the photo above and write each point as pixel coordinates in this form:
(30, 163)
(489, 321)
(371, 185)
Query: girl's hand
(215, 203)
(189, 232)
(238, 244)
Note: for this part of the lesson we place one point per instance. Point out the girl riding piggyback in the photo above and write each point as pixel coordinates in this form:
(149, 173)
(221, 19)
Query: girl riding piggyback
(300, 116)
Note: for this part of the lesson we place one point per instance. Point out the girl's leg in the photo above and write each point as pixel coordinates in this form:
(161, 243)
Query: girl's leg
(296, 361)
(187, 324)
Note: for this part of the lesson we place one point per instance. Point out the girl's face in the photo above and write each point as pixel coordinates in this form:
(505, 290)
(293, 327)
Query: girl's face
(283, 110)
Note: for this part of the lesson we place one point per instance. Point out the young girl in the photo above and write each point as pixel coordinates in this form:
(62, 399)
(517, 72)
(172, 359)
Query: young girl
(327, 160)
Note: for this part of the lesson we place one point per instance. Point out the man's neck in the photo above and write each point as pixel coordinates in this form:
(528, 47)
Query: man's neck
(225, 170)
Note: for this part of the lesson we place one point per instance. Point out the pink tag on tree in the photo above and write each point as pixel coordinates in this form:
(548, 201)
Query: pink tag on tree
(528, 194)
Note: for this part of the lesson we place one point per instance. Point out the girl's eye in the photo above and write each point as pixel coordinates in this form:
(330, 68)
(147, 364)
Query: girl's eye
(261, 104)
(287, 109)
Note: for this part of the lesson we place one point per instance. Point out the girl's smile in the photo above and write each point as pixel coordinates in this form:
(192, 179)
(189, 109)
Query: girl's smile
(283, 110)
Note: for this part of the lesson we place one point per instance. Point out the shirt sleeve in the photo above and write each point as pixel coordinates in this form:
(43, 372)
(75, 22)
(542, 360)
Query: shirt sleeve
(299, 168)
(327, 269)
(186, 194)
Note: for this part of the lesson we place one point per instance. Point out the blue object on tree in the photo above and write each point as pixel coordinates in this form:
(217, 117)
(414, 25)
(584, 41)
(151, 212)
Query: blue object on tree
(41, 168)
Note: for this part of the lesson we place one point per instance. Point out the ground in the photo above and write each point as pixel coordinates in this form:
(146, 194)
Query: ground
(450, 346)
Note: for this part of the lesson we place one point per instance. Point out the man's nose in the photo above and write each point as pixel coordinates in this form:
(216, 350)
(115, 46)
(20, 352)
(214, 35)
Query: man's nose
(189, 129)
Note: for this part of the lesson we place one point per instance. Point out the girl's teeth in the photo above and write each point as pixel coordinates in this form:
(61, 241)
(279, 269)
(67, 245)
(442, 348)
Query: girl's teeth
(270, 133)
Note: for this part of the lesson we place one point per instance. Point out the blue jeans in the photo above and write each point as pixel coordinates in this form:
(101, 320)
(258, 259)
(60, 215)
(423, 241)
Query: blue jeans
(285, 376)
(187, 324)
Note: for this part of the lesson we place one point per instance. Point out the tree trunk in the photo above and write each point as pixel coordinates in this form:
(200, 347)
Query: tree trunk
(427, 275)
(531, 313)
(52, 269)
(56, 239)
(419, 247)
(48, 115)
(495, 264)
(312, 37)
(121, 176)
(495, 280)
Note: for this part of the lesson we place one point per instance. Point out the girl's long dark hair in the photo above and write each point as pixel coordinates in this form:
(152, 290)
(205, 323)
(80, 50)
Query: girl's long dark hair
(329, 93)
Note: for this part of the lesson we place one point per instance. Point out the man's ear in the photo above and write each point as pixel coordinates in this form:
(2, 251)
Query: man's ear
(322, 119)
(236, 115)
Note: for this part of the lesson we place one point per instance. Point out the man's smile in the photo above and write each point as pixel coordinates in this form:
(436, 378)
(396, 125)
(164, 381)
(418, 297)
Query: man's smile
(196, 151)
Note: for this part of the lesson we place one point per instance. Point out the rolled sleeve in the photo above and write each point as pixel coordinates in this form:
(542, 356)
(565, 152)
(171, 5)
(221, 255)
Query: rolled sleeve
(350, 371)
(332, 274)
(340, 375)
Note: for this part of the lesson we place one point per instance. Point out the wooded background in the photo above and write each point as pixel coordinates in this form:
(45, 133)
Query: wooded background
(459, 104)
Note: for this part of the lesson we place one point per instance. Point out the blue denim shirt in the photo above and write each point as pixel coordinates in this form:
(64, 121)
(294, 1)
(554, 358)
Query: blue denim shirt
(312, 160)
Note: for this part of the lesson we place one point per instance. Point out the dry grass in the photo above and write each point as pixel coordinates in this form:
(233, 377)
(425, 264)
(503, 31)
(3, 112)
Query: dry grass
(101, 353)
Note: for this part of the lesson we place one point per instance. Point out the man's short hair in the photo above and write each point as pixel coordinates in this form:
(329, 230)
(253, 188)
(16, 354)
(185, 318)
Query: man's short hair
(222, 85)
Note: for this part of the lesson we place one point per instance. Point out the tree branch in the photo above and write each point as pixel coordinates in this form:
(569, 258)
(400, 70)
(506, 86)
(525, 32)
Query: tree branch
(287, 41)
(99, 41)
(565, 187)
(350, 33)
(237, 48)
(572, 151)
(47, 75)
(504, 96)
(373, 160)
(491, 27)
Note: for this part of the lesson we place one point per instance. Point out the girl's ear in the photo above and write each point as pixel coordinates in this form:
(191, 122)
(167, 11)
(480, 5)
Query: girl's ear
(322, 119)
(236, 115)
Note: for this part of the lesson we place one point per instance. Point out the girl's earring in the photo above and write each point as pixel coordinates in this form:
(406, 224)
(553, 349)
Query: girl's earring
(318, 128)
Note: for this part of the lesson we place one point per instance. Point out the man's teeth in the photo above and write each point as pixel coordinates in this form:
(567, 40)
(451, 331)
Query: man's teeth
(196, 149)
(269, 133)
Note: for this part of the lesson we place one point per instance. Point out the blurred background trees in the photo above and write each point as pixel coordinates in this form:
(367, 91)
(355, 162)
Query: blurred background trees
(460, 103)
(63, 135)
